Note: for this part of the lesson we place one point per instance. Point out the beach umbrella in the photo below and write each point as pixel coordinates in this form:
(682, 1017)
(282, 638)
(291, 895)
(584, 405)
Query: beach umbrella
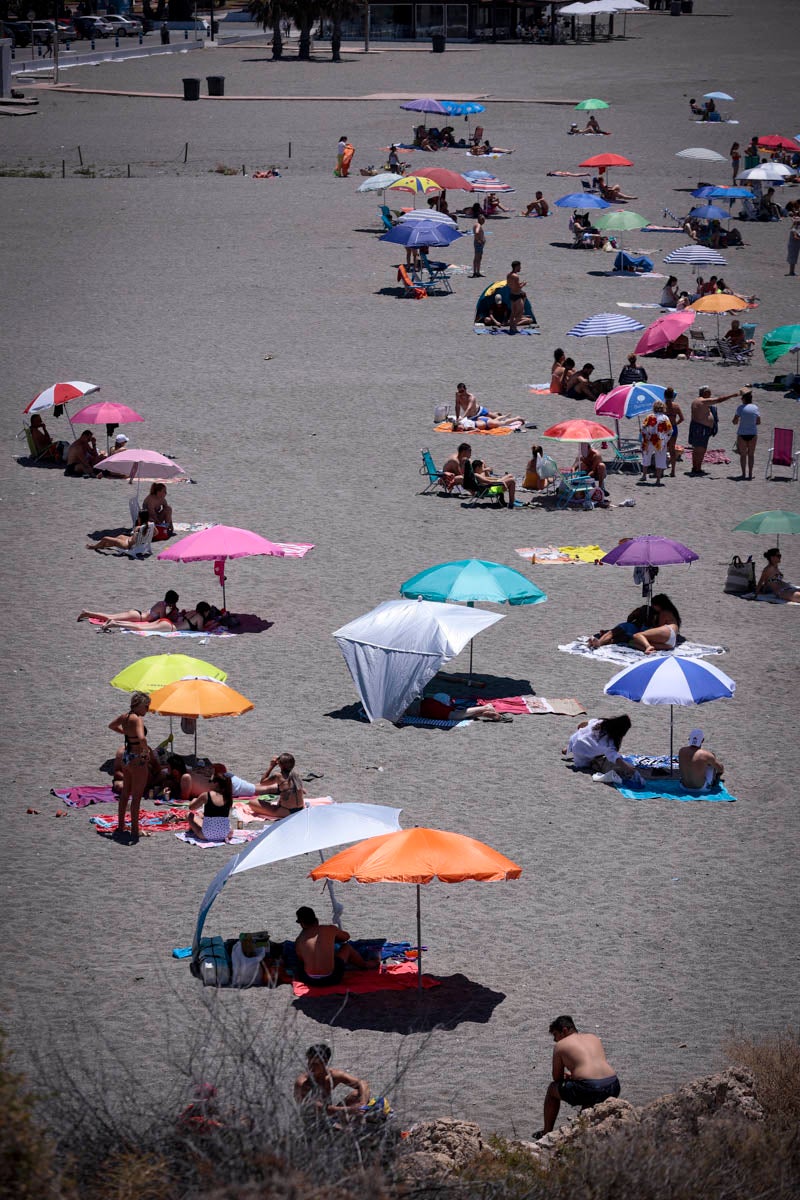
(314, 828)
(709, 212)
(426, 104)
(392, 651)
(628, 400)
(771, 172)
(718, 192)
(774, 521)
(649, 551)
(665, 330)
(379, 183)
(419, 185)
(590, 105)
(784, 339)
(462, 108)
(421, 233)
(605, 325)
(619, 219)
(696, 256)
(221, 542)
(156, 671)
(471, 580)
(578, 430)
(418, 856)
(716, 96)
(426, 214)
(581, 200)
(143, 464)
(477, 175)
(605, 161)
(718, 303)
(198, 696)
(59, 395)
(700, 154)
(671, 680)
(492, 185)
(775, 141)
(450, 180)
(108, 413)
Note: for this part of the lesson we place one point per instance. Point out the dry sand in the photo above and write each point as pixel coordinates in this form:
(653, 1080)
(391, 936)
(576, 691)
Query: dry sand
(249, 322)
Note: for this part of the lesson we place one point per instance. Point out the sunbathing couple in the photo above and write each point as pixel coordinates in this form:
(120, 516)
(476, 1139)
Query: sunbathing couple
(472, 415)
(163, 617)
(155, 510)
(651, 628)
(595, 746)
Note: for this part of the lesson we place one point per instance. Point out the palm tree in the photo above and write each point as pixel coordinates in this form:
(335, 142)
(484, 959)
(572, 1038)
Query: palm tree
(268, 14)
(336, 11)
(304, 12)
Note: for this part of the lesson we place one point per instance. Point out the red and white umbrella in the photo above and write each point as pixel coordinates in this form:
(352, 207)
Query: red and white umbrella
(60, 394)
(491, 185)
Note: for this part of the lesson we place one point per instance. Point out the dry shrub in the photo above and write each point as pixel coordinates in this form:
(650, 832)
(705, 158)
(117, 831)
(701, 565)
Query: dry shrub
(774, 1063)
(26, 1155)
(133, 1175)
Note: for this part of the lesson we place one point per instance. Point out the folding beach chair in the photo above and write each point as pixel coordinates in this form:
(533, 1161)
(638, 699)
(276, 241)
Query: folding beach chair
(415, 290)
(435, 478)
(142, 545)
(699, 345)
(782, 452)
(573, 485)
(626, 454)
(730, 357)
(438, 275)
(476, 492)
(385, 214)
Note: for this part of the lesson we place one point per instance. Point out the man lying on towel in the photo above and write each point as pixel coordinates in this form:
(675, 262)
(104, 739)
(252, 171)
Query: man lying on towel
(323, 953)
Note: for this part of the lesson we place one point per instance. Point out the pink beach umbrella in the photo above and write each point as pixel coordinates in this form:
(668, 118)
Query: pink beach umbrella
(144, 464)
(228, 541)
(60, 394)
(108, 413)
(664, 330)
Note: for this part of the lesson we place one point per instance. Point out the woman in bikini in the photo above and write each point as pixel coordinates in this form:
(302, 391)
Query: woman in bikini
(280, 777)
(159, 512)
(120, 541)
(162, 608)
(772, 581)
(135, 760)
(213, 824)
(664, 634)
(191, 621)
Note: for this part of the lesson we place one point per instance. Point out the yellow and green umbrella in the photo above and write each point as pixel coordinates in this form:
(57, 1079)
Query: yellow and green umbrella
(156, 671)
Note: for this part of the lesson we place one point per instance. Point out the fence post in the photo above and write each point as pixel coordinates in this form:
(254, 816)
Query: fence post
(63, 168)
(290, 149)
(129, 170)
(80, 156)
(186, 152)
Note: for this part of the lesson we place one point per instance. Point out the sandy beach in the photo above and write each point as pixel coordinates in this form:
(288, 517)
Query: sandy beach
(256, 326)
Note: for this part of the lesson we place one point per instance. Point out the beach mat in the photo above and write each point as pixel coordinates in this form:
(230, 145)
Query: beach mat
(82, 796)
(529, 705)
(626, 656)
(507, 332)
(673, 789)
(149, 822)
(446, 427)
(400, 978)
(560, 555)
(248, 623)
(238, 838)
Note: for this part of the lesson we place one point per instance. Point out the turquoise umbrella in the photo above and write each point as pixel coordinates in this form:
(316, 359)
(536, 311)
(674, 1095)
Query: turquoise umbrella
(782, 340)
(471, 579)
(774, 520)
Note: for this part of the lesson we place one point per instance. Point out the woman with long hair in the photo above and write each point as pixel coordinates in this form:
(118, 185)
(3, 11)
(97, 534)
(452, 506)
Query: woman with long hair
(213, 823)
(135, 762)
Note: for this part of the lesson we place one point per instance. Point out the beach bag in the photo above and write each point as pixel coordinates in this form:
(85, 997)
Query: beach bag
(440, 413)
(547, 467)
(715, 425)
(212, 965)
(741, 577)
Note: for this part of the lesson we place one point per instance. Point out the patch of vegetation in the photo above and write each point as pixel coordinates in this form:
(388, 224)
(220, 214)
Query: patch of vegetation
(87, 172)
(221, 169)
(24, 173)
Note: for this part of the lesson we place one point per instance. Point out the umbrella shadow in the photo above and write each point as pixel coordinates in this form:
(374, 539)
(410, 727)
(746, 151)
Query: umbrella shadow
(348, 712)
(490, 686)
(457, 1001)
(96, 534)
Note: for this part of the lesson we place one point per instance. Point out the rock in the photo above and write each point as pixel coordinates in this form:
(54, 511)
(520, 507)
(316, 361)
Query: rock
(437, 1148)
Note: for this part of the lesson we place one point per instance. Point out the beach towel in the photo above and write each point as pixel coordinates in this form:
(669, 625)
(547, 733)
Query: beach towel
(446, 427)
(627, 656)
(248, 623)
(716, 456)
(632, 304)
(530, 705)
(82, 796)
(191, 526)
(561, 555)
(662, 229)
(672, 789)
(486, 329)
(242, 810)
(430, 723)
(541, 389)
(399, 978)
(238, 837)
(769, 599)
(584, 554)
(149, 822)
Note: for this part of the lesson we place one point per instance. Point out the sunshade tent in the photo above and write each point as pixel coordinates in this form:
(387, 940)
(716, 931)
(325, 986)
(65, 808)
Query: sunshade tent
(314, 828)
(671, 680)
(486, 299)
(418, 856)
(222, 542)
(665, 330)
(649, 550)
(157, 670)
(773, 521)
(392, 651)
(605, 325)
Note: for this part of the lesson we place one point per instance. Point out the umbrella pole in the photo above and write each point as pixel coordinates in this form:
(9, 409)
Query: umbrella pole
(608, 348)
(336, 907)
(419, 942)
(671, 710)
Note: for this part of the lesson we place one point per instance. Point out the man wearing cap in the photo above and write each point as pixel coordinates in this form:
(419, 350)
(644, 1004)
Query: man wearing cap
(698, 768)
(120, 442)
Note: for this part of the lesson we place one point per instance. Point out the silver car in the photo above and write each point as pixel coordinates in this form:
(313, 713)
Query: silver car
(124, 26)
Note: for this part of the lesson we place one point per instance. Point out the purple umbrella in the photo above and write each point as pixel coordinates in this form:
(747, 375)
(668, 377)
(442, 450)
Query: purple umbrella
(426, 105)
(649, 551)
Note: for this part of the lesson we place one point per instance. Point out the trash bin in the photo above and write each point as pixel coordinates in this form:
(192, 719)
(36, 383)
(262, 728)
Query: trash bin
(439, 42)
(687, 6)
(191, 89)
(216, 85)
(675, 8)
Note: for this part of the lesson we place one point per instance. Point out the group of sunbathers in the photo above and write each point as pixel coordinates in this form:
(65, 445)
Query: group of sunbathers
(163, 617)
(596, 746)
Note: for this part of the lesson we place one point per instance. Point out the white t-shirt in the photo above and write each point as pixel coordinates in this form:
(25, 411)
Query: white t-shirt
(246, 971)
(586, 744)
(340, 147)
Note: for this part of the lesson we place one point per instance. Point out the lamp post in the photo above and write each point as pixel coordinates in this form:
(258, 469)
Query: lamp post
(366, 26)
(55, 41)
(211, 12)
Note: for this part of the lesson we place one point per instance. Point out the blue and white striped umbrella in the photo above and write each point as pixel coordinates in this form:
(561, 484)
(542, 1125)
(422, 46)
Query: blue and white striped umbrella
(697, 256)
(603, 325)
(670, 679)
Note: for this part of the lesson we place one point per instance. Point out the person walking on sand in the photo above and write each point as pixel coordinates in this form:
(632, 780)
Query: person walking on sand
(478, 245)
(702, 426)
(582, 1075)
(516, 295)
(793, 247)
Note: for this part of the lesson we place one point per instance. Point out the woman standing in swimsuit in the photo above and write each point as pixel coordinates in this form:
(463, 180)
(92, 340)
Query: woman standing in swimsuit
(215, 824)
(136, 762)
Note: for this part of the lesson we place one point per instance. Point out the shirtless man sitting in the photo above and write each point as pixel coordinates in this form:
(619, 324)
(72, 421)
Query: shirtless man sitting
(453, 469)
(698, 768)
(315, 1088)
(537, 208)
(582, 1076)
(323, 952)
(187, 783)
(82, 456)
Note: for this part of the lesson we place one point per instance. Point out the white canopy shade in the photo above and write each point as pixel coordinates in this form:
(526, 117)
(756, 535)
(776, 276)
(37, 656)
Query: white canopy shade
(394, 650)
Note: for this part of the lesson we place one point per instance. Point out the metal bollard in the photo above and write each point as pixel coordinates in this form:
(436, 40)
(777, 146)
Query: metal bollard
(186, 35)
(91, 43)
(141, 39)
(116, 41)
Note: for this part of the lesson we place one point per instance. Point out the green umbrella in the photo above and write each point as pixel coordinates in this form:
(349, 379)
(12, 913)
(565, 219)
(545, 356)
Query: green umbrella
(774, 520)
(782, 340)
(619, 218)
(150, 674)
(588, 105)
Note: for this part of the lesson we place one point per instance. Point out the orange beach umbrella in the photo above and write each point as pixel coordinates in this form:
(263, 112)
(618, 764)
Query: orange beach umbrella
(195, 696)
(418, 856)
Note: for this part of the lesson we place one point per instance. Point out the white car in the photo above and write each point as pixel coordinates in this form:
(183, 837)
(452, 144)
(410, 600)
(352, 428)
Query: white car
(124, 26)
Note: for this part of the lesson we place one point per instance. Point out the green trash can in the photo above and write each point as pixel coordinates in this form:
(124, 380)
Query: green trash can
(216, 85)
(191, 89)
(438, 42)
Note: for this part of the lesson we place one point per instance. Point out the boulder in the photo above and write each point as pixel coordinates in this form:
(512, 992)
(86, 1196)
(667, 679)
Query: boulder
(434, 1149)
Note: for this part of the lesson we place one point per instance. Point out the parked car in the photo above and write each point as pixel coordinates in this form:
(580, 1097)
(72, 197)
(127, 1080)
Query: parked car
(18, 31)
(124, 26)
(92, 27)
